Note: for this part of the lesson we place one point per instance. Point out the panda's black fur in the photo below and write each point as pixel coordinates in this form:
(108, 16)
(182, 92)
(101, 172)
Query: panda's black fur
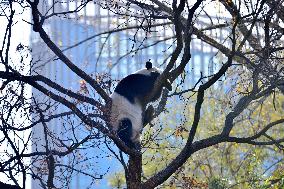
(128, 103)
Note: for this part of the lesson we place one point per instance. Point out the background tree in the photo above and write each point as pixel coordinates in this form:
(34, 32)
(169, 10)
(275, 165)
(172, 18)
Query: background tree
(250, 68)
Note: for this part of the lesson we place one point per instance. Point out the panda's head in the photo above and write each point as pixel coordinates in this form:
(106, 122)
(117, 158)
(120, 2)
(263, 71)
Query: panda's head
(149, 70)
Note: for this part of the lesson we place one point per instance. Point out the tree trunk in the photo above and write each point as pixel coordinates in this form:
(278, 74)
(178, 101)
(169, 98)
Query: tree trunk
(134, 172)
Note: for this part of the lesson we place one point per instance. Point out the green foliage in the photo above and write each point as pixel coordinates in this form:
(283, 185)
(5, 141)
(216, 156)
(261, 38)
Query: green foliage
(217, 183)
(117, 180)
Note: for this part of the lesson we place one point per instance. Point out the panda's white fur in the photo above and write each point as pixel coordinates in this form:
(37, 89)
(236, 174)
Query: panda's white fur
(122, 108)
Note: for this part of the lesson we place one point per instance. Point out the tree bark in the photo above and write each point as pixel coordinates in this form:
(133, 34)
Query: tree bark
(134, 171)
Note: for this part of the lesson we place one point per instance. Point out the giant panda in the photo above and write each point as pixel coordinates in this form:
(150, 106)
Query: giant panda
(129, 103)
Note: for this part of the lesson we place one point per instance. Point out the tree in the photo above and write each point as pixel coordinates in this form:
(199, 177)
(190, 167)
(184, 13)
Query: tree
(250, 57)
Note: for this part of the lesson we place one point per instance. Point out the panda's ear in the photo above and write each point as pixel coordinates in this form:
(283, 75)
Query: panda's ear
(148, 65)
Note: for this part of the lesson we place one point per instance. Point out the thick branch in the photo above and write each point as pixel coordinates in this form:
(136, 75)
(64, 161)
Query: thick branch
(10, 76)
